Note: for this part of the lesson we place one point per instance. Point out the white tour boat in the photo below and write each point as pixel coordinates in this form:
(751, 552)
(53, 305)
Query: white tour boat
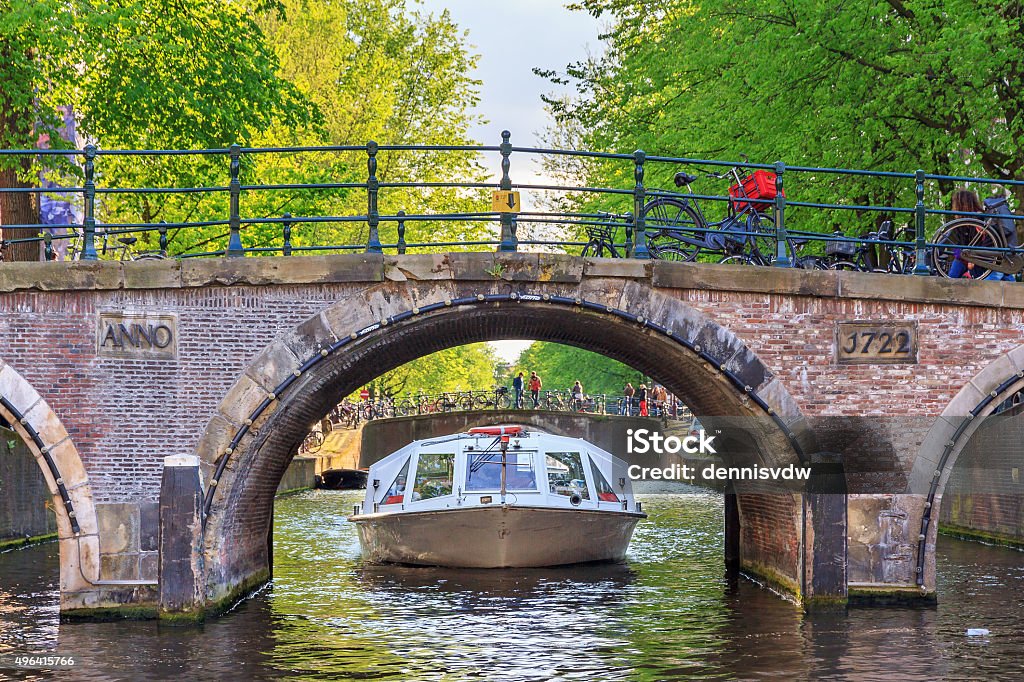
(499, 496)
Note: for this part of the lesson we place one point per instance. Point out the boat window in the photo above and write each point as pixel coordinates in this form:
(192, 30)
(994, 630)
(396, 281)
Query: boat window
(565, 474)
(396, 493)
(605, 493)
(434, 475)
(483, 471)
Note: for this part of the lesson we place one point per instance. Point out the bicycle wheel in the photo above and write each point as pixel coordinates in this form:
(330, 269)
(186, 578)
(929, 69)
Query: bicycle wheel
(959, 235)
(762, 239)
(504, 401)
(844, 266)
(594, 249)
(672, 223)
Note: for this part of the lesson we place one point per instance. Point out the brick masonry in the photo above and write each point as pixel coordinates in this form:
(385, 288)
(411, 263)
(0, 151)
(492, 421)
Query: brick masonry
(125, 415)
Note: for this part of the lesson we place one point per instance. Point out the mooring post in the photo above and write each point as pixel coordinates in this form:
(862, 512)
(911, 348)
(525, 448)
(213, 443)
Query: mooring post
(181, 539)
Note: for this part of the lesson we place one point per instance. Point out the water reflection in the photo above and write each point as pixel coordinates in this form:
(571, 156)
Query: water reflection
(668, 613)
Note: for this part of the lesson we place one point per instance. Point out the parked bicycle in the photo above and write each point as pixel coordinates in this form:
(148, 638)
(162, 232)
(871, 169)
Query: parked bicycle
(601, 237)
(679, 230)
(313, 441)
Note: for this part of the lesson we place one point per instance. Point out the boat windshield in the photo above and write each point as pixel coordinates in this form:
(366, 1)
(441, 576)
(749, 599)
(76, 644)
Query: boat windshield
(483, 471)
(605, 493)
(396, 493)
(565, 474)
(434, 475)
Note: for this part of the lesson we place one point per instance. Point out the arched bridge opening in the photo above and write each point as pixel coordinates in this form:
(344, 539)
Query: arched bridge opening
(300, 377)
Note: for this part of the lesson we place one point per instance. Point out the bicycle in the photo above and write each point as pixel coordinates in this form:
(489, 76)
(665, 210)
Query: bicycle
(601, 238)
(678, 229)
(959, 238)
(313, 441)
(497, 398)
(553, 401)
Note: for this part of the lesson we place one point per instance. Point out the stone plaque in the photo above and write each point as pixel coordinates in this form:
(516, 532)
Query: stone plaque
(137, 335)
(876, 343)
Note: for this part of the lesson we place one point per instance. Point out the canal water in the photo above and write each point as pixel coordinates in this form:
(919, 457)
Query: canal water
(668, 613)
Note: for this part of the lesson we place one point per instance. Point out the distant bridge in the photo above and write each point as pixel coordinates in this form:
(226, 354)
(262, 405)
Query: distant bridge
(381, 437)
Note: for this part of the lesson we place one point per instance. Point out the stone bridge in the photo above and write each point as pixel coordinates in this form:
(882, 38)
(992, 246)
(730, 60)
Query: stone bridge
(119, 376)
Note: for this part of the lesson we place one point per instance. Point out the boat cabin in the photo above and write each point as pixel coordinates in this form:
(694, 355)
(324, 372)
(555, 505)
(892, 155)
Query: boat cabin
(498, 465)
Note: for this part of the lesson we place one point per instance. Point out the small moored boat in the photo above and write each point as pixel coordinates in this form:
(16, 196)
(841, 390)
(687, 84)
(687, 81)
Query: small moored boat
(497, 497)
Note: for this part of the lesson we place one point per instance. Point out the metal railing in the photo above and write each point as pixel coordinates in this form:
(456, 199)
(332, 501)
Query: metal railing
(351, 412)
(786, 212)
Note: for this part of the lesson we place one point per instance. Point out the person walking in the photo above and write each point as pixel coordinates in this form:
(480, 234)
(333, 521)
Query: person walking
(517, 386)
(626, 407)
(534, 386)
(641, 395)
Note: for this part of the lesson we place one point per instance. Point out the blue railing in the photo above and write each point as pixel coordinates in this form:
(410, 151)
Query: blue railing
(783, 224)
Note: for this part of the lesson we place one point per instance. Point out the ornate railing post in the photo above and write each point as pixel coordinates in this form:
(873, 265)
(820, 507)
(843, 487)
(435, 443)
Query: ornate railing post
(401, 232)
(372, 188)
(48, 253)
(921, 264)
(89, 215)
(234, 192)
(782, 259)
(162, 231)
(628, 219)
(509, 242)
(286, 229)
(639, 198)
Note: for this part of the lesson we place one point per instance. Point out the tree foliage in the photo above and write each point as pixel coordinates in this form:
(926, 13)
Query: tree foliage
(163, 74)
(462, 368)
(559, 366)
(869, 84)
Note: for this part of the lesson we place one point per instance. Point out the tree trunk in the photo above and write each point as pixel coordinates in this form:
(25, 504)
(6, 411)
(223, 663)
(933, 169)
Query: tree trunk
(18, 209)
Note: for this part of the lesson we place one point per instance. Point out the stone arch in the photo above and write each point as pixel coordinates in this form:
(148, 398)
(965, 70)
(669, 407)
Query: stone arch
(295, 380)
(946, 440)
(58, 458)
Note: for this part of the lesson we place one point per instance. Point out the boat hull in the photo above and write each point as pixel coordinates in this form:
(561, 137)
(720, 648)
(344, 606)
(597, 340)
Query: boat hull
(500, 536)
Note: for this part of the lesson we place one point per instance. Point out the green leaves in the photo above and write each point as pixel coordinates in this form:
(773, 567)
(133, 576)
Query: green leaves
(861, 84)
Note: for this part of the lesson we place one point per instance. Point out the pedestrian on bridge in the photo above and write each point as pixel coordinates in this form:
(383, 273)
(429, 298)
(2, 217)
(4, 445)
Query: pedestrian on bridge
(626, 407)
(641, 395)
(517, 385)
(535, 384)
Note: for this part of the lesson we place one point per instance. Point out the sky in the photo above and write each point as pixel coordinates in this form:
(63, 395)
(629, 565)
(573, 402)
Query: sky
(512, 37)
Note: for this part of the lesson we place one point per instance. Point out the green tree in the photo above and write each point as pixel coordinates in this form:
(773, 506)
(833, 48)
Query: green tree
(462, 368)
(559, 366)
(141, 74)
(881, 85)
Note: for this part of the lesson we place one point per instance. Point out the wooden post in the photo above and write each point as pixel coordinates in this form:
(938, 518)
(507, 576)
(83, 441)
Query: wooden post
(181, 539)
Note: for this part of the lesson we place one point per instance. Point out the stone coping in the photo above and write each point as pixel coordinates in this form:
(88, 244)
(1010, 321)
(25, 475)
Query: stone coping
(516, 267)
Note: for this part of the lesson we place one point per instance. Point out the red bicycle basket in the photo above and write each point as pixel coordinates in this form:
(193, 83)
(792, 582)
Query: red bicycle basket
(758, 185)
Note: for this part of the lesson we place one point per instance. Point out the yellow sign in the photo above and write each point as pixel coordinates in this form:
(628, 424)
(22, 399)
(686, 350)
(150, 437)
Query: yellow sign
(505, 201)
